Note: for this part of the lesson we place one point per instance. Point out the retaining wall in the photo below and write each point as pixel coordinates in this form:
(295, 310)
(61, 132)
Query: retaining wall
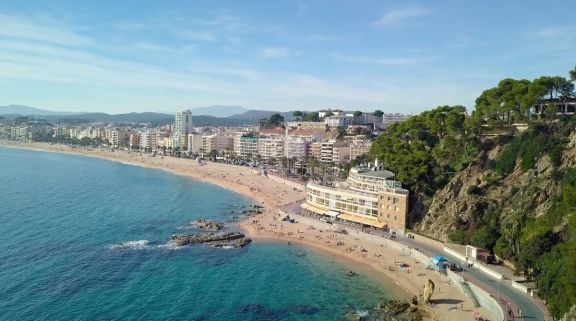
(485, 299)
(521, 287)
(476, 264)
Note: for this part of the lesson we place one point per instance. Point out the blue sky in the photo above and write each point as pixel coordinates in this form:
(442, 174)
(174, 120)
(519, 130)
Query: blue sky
(398, 56)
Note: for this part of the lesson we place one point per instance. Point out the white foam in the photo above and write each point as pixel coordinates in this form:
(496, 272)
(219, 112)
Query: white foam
(132, 245)
(169, 246)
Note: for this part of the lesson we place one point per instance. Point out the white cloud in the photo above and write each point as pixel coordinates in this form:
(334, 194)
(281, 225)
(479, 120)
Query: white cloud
(277, 52)
(400, 15)
(556, 33)
(223, 21)
(40, 29)
(379, 60)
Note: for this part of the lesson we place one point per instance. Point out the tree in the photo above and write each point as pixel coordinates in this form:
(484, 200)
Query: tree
(276, 120)
(312, 163)
(264, 123)
(573, 74)
(298, 115)
(213, 153)
(357, 113)
(328, 113)
(378, 113)
(340, 132)
(311, 117)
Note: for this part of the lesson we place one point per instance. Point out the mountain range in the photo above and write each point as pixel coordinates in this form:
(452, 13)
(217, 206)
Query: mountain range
(203, 116)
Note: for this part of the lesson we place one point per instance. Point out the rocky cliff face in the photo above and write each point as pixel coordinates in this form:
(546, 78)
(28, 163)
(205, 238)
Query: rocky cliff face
(479, 190)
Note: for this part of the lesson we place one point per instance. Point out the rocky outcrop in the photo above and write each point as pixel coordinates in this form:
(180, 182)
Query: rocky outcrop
(570, 315)
(428, 292)
(233, 239)
(479, 190)
(207, 225)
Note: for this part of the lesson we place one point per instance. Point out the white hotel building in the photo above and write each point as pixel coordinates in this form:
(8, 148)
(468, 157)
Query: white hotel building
(367, 197)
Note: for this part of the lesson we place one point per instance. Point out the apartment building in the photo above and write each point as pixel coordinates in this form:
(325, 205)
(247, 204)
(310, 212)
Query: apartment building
(194, 143)
(271, 147)
(359, 148)
(148, 140)
(246, 146)
(296, 147)
(182, 127)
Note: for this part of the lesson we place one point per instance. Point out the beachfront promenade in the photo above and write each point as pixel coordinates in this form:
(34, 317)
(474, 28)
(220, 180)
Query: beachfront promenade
(509, 299)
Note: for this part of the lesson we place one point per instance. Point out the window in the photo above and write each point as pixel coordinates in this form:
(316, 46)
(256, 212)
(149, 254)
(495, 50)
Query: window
(396, 208)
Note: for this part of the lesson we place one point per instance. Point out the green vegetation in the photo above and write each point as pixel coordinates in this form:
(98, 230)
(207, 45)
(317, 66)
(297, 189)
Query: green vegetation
(304, 116)
(427, 150)
(529, 147)
(274, 121)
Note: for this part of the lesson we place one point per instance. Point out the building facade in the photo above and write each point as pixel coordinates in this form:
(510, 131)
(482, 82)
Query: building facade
(194, 143)
(370, 198)
(182, 127)
(246, 146)
(271, 147)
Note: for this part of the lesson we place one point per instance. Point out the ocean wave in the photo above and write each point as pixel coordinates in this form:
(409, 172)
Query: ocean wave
(169, 246)
(131, 245)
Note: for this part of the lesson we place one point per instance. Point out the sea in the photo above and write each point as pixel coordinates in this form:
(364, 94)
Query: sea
(88, 239)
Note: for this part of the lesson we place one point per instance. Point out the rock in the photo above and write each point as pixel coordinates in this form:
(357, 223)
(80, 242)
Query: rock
(207, 225)
(181, 240)
(394, 307)
(570, 315)
(428, 291)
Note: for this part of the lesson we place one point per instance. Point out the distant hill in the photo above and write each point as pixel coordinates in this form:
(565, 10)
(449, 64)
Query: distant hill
(218, 111)
(25, 110)
(256, 115)
(234, 116)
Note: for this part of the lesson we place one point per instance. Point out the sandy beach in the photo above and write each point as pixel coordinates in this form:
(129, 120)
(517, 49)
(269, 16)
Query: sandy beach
(362, 253)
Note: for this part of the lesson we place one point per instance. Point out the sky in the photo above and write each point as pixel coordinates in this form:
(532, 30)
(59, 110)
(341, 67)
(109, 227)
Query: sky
(119, 56)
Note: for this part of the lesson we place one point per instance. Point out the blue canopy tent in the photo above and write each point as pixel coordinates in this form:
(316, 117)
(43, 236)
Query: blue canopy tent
(439, 263)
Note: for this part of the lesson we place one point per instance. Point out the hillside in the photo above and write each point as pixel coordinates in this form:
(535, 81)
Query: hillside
(218, 111)
(203, 116)
(25, 110)
(481, 180)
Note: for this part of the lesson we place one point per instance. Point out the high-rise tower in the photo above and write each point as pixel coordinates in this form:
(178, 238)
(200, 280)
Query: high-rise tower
(182, 127)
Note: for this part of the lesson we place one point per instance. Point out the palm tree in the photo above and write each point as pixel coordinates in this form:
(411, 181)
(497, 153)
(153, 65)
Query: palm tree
(511, 227)
(284, 162)
(312, 165)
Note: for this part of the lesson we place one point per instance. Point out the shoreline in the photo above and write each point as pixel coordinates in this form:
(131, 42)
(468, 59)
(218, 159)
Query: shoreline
(365, 255)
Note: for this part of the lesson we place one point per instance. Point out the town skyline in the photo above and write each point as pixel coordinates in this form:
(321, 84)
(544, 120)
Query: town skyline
(294, 55)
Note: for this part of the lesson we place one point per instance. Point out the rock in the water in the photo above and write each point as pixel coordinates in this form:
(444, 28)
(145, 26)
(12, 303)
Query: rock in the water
(181, 240)
(207, 225)
(394, 307)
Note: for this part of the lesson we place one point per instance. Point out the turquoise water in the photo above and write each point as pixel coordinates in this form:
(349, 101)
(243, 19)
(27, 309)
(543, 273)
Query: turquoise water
(60, 216)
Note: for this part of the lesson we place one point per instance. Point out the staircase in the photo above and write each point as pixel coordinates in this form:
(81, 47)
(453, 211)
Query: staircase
(469, 293)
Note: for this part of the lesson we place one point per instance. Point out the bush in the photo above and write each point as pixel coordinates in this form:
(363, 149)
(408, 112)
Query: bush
(485, 237)
(459, 236)
(507, 160)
